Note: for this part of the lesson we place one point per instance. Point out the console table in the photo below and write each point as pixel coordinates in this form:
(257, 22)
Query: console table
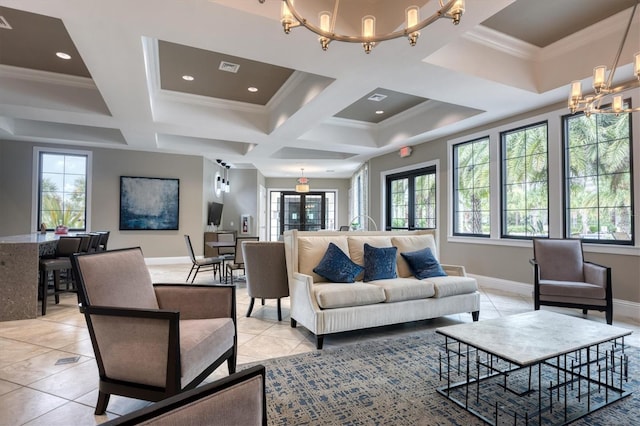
(539, 367)
(19, 264)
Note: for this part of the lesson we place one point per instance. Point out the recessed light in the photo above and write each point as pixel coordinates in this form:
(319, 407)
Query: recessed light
(379, 112)
(187, 77)
(252, 89)
(63, 55)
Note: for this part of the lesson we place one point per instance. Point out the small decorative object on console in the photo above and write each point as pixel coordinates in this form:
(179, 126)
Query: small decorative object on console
(61, 229)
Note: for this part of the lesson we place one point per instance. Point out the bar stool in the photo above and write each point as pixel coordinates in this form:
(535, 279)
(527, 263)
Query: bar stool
(60, 263)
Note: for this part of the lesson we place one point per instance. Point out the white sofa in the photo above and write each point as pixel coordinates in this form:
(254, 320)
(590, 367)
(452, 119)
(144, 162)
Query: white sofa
(326, 308)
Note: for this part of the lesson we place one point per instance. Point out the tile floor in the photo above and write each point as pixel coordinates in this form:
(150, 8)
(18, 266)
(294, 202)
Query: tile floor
(37, 390)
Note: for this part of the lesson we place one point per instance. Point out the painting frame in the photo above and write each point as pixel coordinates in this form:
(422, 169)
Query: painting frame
(149, 203)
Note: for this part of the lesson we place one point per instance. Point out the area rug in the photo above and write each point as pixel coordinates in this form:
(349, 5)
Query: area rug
(390, 381)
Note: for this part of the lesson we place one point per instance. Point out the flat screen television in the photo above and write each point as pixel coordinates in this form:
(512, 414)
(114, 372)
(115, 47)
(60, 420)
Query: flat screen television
(215, 213)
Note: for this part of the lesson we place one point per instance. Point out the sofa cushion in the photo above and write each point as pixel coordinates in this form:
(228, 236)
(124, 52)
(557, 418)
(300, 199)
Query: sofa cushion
(202, 341)
(330, 295)
(399, 289)
(571, 289)
(312, 249)
(408, 243)
(337, 267)
(452, 285)
(423, 264)
(356, 246)
(379, 262)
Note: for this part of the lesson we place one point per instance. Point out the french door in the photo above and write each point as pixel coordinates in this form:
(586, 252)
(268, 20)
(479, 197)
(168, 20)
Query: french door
(304, 212)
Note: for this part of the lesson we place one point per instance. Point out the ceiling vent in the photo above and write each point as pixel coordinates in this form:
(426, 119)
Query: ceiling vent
(377, 97)
(228, 67)
(4, 24)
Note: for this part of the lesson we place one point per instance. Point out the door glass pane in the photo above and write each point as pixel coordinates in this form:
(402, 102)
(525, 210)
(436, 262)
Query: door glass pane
(313, 212)
(291, 209)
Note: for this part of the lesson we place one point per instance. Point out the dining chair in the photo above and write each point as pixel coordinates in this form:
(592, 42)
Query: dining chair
(238, 259)
(152, 341)
(104, 240)
(266, 271)
(59, 267)
(208, 263)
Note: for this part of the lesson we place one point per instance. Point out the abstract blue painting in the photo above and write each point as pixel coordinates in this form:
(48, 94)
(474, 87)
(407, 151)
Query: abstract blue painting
(149, 203)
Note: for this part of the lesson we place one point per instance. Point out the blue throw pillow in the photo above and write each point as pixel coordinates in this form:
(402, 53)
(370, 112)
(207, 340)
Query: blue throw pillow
(423, 264)
(337, 267)
(379, 263)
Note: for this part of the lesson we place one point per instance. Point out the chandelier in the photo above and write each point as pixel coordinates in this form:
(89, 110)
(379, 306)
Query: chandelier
(339, 24)
(603, 86)
(302, 184)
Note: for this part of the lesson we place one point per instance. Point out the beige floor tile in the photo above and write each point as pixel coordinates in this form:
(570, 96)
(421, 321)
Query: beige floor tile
(6, 387)
(71, 383)
(37, 368)
(12, 351)
(81, 347)
(71, 413)
(264, 347)
(24, 404)
(45, 333)
(118, 405)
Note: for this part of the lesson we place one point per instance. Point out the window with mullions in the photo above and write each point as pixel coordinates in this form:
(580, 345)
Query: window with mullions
(411, 199)
(471, 188)
(62, 190)
(598, 178)
(525, 188)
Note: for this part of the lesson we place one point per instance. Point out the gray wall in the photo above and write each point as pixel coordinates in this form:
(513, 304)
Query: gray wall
(508, 262)
(16, 168)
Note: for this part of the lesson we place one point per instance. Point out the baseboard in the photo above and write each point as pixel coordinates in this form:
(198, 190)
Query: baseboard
(166, 260)
(621, 308)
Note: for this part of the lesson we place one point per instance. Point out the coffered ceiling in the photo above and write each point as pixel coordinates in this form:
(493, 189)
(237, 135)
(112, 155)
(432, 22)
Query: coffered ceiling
(219, 78)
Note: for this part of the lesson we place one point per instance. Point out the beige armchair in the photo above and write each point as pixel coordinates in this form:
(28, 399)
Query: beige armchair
(152, 341)
(235, 400)
(563, 278)
(266, 271)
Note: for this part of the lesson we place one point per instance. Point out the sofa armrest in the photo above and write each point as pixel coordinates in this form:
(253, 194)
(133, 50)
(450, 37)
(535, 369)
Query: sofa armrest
(197, 301)
(455, 270)
(304, 307)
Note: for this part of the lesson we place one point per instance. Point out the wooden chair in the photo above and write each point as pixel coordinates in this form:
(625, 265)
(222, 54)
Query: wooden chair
(152, 341)
(266, 271)
(238, 259)
(60, 267)
(238, 399)
(563, 278)
(208, 263)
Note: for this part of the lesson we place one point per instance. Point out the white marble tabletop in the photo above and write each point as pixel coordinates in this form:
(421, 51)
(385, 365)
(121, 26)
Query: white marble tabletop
(532, 337)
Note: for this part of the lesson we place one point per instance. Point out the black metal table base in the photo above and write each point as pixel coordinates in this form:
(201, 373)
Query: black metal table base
(556, 391)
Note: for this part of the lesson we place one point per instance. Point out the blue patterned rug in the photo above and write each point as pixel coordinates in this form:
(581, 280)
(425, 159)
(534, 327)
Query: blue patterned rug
(390, 381)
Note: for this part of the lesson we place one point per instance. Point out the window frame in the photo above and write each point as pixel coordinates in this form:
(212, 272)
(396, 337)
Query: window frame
(503, 179)
(414, 169)
(566, 209)
(36, 183)
(454, 188)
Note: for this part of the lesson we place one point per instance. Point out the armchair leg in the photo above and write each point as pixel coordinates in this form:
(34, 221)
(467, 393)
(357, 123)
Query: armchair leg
(279, 310)
(250, 307)
(231, 362)
(584, 311)
(103, 401)
(319, 341)
(609, 314)
(294, 323)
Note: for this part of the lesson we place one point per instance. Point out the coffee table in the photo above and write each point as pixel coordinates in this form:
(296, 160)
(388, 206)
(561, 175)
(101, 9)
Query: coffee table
(538, 367)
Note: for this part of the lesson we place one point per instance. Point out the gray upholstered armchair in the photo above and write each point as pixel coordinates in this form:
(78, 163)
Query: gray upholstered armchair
(563, 278)
(238, 399)
(152, 341)
(266, 270)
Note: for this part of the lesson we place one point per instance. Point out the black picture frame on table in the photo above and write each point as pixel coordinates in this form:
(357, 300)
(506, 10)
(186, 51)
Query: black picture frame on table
(149, 204)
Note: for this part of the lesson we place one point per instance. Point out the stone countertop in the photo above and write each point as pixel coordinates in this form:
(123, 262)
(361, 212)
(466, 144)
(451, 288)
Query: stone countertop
(34, 237)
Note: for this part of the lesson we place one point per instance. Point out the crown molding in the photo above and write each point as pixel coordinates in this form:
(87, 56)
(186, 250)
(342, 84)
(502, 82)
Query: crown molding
(7, 71)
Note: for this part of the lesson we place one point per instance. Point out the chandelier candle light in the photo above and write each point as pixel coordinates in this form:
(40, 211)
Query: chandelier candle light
(603, 86)
(293, 15)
